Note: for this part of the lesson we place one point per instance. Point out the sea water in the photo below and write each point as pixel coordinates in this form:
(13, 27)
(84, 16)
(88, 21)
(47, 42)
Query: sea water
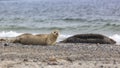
(69, 16)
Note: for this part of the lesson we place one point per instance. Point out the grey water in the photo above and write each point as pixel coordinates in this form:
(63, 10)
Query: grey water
(68, 16)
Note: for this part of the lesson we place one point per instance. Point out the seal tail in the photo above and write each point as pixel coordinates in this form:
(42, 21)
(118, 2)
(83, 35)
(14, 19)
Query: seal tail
(9, 40)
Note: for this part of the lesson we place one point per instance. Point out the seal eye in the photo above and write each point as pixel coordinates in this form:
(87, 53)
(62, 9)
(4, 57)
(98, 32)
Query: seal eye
(56, 33)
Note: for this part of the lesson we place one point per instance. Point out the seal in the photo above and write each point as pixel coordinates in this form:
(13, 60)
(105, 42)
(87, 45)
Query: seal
(39, 39)
(89, 38)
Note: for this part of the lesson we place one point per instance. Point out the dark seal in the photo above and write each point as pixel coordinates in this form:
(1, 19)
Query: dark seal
(89, 38)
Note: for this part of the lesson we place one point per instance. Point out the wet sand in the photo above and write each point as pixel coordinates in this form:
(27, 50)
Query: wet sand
(62, 55)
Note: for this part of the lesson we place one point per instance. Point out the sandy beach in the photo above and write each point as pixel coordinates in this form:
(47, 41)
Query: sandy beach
(90, 18)
(61, 55)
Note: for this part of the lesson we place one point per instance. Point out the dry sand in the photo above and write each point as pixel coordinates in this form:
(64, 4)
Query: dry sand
(59, 56)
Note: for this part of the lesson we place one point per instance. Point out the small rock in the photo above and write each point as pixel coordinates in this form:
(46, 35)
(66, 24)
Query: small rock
(2, 59)
(70, 59)
(101, 66)
(80, 63)
(6, 44)
(25, 60)
(114, 62)
(52, 59)
(36, 60)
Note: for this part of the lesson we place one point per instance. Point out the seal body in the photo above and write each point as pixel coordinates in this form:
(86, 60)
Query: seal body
(39, 39)
(89, 38)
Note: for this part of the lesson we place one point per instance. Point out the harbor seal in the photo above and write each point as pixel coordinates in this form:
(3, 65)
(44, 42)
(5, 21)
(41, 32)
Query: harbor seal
(39, 39)
(89, 38)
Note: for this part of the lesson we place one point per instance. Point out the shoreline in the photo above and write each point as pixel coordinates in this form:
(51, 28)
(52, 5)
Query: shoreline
(61, 55)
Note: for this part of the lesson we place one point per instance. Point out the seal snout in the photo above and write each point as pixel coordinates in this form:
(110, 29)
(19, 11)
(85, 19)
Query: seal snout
(112, 41)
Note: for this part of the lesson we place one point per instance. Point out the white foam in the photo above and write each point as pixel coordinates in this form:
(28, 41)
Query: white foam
(9, 34)
(116, 37)
(62, 37)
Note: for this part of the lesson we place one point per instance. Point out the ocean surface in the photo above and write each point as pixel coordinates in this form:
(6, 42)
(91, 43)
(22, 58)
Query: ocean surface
(69, 16)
